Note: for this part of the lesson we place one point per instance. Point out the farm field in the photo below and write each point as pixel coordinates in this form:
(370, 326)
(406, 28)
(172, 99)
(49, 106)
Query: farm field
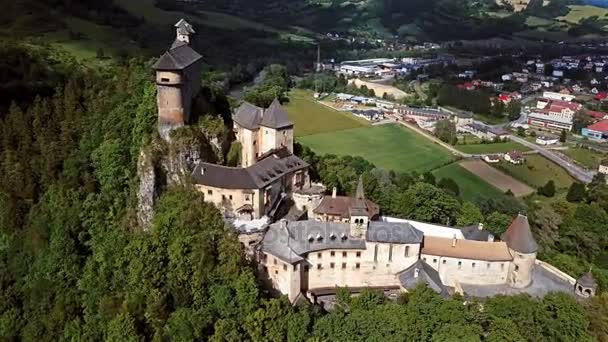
(471, 186)
(579, 12)
(492, 148)
(310, 117)
(387, 146)
(537, 171)
(496, 178)
(585, 157)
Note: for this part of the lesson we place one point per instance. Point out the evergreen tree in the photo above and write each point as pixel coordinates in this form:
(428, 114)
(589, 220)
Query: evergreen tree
(576, 192)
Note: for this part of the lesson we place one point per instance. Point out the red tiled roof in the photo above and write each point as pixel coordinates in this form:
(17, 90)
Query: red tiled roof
(601, 96)
(600, 126)
(570, 105)
(597, 115)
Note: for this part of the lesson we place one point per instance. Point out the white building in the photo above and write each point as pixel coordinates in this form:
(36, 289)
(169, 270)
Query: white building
(558, 96)
(546, 140)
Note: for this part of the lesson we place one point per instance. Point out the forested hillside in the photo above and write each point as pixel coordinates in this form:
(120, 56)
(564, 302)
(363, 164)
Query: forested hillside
(75, 265)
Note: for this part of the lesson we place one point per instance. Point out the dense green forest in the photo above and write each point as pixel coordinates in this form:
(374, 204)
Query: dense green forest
(74, 265)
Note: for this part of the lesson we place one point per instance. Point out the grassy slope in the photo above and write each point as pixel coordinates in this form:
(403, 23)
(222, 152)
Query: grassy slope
(578, 12)
(311, 117)
(471, 186)
(387, 146)
(537, 171)
(492, 148)
(588, 158)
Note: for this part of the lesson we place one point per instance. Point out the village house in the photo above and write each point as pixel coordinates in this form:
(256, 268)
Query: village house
(491, 158)
(546, 140)
(555, 115)
(597, 131)
(515, 157)
(483, 131)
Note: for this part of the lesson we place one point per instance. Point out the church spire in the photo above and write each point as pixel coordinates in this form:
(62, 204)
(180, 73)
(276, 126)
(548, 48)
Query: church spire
(184, 30)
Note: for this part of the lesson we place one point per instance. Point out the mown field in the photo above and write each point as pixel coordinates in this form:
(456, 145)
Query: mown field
(471, 186)
(492, 148)
(585, 157)
(537, 171)
(579, 12)
(310, 117)
(387, 146)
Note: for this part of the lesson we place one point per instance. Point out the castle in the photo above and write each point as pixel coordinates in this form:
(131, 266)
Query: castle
(341, 241)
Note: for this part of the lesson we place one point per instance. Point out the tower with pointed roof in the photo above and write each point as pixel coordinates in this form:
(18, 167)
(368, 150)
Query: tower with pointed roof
(359, 213)
(523, 248)
(178, 78)
(261, 131)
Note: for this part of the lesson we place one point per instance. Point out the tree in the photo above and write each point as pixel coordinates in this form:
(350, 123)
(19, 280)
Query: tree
(429, 178)
(547, 190)
(513, 110)
(469, 215)
(521, 131)
(426, 203)
(497, 223)
(445, 130)
(450, 186)
(563, 136)
(576, 192)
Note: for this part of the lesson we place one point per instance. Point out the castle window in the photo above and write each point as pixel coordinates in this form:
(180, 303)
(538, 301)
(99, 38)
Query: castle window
(407, 251)
(434, 261)
(375, 253)
(274, 261)
(390, 252)
(332, 265)
(344, 254)
(502, 266)
(246, 197)
(319, 266)
(163, 79)
(319, 255)
(358, 254)
(295, 267)
(488, 265)
(306, 268)
(276, 272)
(230, 197)
(516, 267)
(332, 253)
(284, 267)
(209, 192)
(459, 264)
(357, 265)
(443, 262)
(343, 265)
(473, 265)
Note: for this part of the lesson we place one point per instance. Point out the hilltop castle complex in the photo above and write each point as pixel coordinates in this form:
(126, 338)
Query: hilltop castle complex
(329, 241)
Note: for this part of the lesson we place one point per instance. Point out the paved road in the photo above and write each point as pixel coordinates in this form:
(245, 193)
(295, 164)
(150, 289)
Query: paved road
(574, 170)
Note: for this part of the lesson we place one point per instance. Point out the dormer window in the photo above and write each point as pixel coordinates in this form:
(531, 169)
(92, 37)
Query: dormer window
(310, 238)
(332, 236)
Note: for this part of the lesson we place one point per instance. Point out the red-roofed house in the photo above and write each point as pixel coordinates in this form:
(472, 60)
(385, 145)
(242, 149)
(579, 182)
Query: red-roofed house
(597, 131)
(601, 96)
(597, 115)
(504, 98)
(515, 157)
(553, 114)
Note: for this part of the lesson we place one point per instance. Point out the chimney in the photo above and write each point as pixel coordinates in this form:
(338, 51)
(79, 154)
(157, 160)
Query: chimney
(416, 271)
(334, 192)
(480, 226)
(454, 241)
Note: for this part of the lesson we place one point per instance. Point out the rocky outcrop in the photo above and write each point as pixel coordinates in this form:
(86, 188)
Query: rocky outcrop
(147, 192)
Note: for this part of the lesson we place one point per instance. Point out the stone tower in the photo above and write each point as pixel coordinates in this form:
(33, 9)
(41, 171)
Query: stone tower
(523, 248)
(359, 214)
(178, 80)
(585, 286)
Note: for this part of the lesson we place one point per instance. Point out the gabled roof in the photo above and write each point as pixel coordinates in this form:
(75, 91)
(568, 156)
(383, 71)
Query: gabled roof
(422, 273)
(178, 58)
(257, 176)
(248, 116)
(275, 116)
(473, 232)
(252, 117)
(519, 236)
(466, 249)
(340, 206)
(600, 126)
(184, 27)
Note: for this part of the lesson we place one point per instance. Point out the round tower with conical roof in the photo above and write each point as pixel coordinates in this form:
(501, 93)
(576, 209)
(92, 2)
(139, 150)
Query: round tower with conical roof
(523, 248)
